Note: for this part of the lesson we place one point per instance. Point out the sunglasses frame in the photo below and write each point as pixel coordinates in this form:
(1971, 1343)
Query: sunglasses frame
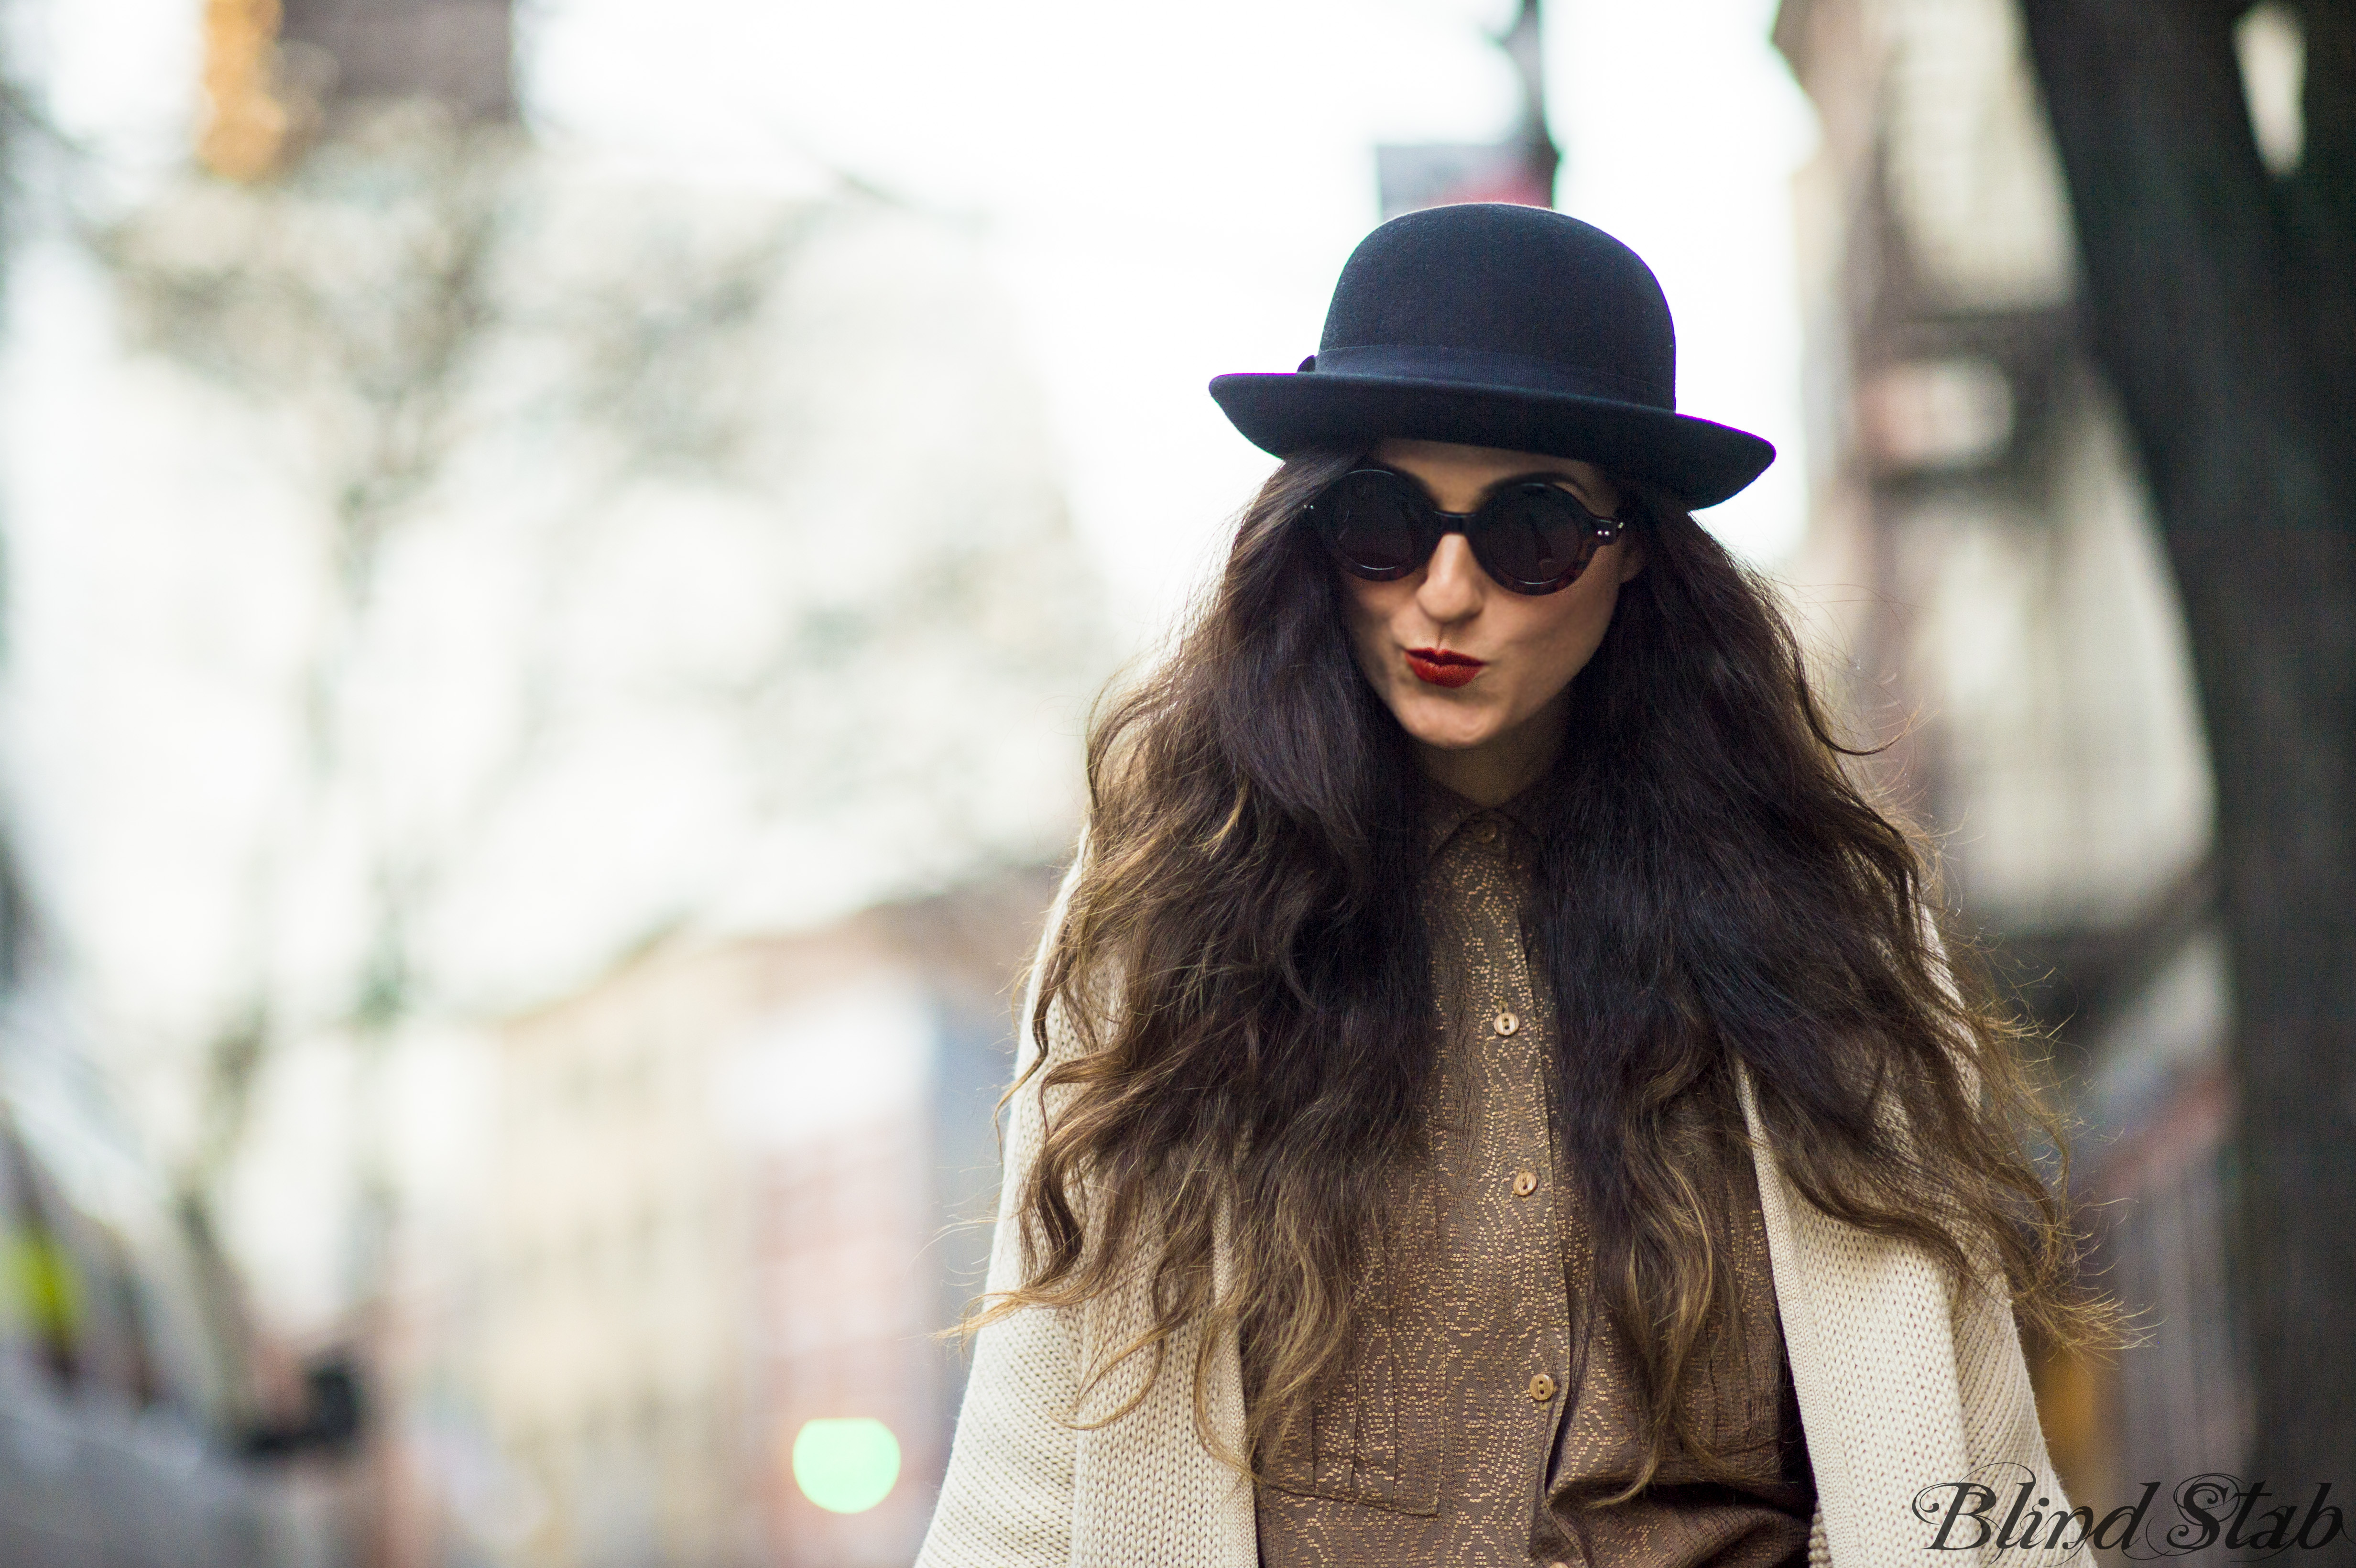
(1432, 525)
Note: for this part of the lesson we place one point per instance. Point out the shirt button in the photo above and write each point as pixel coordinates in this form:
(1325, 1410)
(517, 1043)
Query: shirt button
(1525, 1183)
(1505, 1023)
(1542, 1388)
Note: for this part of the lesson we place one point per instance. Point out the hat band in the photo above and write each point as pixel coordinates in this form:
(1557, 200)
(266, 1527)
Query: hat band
(1431, 362)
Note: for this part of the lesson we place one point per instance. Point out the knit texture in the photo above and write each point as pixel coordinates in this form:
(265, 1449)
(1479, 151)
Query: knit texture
(1901, 1388)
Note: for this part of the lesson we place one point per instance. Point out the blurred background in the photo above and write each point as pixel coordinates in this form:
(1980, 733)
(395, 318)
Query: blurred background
(556, 553)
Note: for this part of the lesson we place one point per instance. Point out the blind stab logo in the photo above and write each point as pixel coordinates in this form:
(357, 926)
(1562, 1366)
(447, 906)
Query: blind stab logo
(2011, 1514)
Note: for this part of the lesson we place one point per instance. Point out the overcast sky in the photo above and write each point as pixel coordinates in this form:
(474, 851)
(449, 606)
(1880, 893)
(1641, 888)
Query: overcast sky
(1168, 190)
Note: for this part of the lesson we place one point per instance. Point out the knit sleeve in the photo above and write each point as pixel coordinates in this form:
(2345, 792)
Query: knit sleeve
(1909, 1380)
(1006, 1501)
(2006, 1442)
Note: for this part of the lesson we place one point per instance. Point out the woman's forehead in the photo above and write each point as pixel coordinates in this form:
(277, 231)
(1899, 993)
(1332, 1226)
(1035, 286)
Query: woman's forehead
(1447, 466)
(1409, 452)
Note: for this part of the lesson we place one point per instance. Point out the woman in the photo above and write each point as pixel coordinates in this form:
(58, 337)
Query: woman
(1498, 1096)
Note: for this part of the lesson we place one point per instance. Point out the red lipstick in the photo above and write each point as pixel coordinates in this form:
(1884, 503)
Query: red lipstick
(1438, 667)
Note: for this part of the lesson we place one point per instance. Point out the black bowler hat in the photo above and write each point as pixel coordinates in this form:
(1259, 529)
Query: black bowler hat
(1500, 325)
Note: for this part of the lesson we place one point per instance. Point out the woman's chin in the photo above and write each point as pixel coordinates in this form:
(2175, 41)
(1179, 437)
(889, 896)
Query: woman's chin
(1446, 725)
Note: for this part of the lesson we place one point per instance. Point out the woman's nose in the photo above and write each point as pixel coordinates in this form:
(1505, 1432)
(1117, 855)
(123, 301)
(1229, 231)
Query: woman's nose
(1453, 583)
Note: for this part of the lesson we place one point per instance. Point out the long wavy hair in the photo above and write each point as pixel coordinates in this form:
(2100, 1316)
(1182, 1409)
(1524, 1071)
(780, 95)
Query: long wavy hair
(1244, 970)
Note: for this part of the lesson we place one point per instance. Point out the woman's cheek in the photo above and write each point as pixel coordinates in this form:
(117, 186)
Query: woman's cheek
(1369, 636)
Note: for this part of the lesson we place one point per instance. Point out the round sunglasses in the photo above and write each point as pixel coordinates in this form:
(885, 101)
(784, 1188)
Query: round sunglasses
(1530, 535)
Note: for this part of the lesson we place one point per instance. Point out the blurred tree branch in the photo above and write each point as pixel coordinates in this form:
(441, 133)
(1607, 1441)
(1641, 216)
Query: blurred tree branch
(418, 309)
(355, 294)
(2221, 302)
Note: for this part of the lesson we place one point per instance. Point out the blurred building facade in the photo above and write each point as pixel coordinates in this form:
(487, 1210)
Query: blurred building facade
(742, 1188)
(458, 53)
(1983, 555)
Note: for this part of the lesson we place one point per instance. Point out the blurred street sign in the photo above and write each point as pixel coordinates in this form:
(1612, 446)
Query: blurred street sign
(1518, 169)
(1443, 174)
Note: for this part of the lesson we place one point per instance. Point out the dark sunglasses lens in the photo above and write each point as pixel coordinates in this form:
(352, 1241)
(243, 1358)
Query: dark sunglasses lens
(1536, 538)
(1371, 522)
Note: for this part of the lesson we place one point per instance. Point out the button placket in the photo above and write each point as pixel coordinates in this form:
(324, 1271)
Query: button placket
(1506, 1195)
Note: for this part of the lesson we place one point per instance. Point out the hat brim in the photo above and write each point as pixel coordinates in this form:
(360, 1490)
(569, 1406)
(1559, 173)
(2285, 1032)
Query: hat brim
(1700, 462)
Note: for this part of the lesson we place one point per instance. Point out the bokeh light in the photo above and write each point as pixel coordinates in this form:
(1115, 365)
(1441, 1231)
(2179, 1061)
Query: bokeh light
(846, 1465)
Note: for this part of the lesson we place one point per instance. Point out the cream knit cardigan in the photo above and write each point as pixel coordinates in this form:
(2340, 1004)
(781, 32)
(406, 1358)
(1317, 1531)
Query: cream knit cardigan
(1903, 1384)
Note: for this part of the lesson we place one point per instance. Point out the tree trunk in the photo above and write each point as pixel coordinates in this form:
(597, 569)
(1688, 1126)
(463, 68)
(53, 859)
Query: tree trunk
(2223, 305)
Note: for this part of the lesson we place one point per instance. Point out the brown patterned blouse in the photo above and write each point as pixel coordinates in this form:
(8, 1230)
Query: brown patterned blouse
(1464, 1431)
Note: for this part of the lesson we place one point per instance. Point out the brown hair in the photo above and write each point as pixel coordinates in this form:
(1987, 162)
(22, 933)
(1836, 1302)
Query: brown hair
(1244, 968)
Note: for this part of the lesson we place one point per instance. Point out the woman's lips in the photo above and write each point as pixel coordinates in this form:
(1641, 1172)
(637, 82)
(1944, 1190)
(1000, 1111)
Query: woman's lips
(1438, 667)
